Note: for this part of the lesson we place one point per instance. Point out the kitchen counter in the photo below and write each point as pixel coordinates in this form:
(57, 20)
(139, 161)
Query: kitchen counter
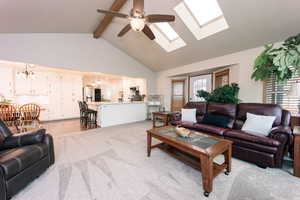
(112, 113)
(114, 103)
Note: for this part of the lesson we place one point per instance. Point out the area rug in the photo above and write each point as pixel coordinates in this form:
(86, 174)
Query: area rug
(111, 164)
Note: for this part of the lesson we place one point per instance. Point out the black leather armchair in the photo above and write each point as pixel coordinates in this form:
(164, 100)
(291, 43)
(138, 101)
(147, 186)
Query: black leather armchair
(22, 159)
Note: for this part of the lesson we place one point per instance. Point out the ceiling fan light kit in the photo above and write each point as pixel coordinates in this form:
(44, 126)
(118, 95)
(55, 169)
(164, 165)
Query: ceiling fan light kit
(137, 19)
(137, 24)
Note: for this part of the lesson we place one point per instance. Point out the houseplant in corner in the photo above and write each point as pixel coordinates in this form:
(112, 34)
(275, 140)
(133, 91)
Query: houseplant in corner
(282, 62)
(226, 94)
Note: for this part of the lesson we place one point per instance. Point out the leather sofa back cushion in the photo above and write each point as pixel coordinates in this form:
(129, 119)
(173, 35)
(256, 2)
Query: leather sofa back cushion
(224, 109)
(257, 109)
(200, 107)
(216, 120)
(1, 141)
(4, 130)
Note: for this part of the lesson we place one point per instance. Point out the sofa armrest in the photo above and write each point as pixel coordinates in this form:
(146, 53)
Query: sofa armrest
(175, 117)
(23, 140)
(282, 134)
(48, 140)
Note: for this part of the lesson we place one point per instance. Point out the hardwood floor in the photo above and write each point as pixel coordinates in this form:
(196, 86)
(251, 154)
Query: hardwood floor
(64, 127)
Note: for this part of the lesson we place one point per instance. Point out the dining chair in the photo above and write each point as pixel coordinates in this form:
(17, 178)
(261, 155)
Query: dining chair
(10, 115)
(29, 118)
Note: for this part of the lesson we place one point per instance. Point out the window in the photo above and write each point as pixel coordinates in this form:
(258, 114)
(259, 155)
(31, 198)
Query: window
(204, 10)
(203, 17)
(201, 82)
(167, 30)
(167, 37)
(284, 94)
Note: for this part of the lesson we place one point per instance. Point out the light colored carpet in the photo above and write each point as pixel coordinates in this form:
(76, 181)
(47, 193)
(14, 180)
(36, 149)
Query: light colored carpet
(111, 164)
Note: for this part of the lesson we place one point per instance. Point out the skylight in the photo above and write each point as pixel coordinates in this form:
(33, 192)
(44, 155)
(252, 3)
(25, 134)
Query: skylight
(167, 30)
(203, 17)
(204, 10)
(167, 37)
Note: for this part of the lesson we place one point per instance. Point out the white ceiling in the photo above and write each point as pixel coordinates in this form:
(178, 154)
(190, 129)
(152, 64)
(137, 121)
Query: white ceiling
(252, 23)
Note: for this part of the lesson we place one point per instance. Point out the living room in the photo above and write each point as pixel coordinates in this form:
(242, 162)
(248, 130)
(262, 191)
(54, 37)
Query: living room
(201, 97)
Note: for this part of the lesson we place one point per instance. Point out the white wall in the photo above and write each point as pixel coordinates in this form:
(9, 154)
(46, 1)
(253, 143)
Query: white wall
(73, 51)
(242, 63)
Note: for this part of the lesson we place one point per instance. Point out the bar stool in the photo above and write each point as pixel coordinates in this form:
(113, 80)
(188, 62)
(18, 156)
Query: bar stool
(89, 115)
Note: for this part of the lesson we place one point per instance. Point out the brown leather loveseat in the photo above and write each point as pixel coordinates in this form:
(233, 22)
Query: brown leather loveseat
(263, 151)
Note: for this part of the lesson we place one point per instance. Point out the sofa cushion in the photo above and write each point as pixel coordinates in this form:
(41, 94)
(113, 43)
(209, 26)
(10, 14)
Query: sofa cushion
(200, 107)
(15, 160)
(258, 109)
(216, 120)
(4, 130)
(1, 141)
(238, 134)
(24, 139)
(224, 109)
(210, 129)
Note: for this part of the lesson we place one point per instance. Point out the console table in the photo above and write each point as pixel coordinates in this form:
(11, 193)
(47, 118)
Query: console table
(161, 116)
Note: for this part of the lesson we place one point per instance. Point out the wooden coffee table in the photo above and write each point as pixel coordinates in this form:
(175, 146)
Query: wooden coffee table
(198, 151)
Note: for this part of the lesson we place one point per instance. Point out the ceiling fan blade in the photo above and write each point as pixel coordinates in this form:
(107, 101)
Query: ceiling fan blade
(149, 32)
(124, 30)
(138, 5)
(112, 13)
(160, 18)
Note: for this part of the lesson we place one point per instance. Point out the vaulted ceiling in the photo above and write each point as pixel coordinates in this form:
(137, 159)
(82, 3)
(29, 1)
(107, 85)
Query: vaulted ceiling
(252, 23)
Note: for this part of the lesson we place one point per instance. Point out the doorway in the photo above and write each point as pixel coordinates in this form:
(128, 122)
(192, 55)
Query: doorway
(221, 78)
(178, 95)
(201, 82)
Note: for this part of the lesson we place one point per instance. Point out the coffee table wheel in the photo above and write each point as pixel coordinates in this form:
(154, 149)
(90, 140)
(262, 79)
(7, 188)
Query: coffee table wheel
(227, 173)
(206, 194)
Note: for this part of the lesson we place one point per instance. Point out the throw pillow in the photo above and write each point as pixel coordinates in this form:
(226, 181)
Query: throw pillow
(188, 115)
(258, 124)
(216, 120)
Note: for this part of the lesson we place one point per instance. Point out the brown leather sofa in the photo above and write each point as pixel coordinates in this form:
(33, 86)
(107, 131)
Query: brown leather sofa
(263, 151)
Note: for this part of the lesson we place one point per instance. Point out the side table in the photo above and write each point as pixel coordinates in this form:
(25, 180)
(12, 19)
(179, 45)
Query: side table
(295, 120)
(297, 151)
(161, 116)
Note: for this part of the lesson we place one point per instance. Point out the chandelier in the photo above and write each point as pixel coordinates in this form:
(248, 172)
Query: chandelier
(26, 73)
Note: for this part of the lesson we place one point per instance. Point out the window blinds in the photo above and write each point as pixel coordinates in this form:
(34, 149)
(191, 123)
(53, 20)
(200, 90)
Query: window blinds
(281, 93)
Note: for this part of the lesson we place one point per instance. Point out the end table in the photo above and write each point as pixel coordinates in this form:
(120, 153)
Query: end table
(161, 116)
(295, 120)
(297, 151)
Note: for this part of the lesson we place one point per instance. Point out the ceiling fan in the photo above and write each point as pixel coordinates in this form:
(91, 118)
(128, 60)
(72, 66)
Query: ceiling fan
(138, 21)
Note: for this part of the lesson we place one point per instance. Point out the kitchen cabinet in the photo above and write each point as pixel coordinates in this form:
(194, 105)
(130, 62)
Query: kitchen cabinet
(6, 82)
(57, 92)
(72, 93)
(64, 92)
(60, 92)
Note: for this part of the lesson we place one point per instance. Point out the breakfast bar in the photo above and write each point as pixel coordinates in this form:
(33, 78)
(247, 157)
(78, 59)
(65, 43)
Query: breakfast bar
(116, 113)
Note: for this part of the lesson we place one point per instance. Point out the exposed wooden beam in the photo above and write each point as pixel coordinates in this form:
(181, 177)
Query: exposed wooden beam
(116, 6)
